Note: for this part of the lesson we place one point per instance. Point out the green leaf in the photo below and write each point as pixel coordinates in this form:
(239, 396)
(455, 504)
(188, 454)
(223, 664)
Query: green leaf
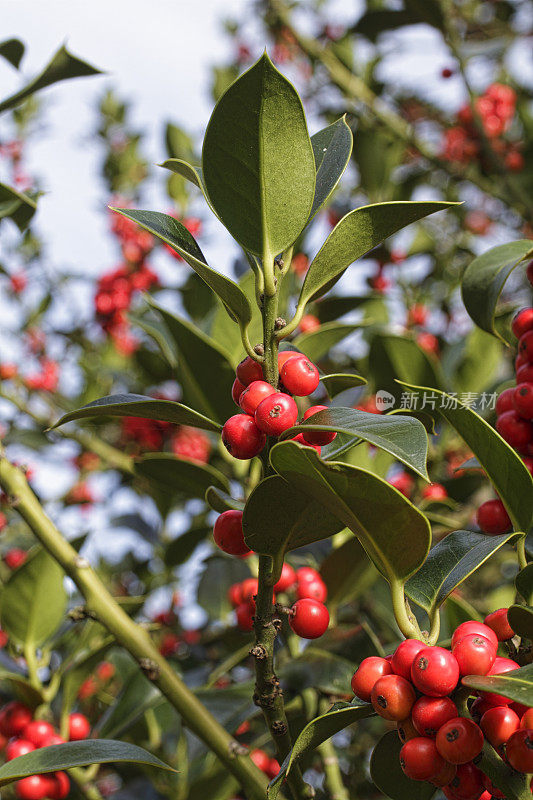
(404, 437)
(339, 382)
(504, 467)
(16, 206)
(319, 342)
(77, 754)
(521, 620)
(174, 475)
(339, 716)
(393, 532)
(524, 583)
(186, 170)
(175, 234)
(400, 357)
(219, 574)
(137, 696)
(33, 602)
(138, 405)
(158, 331)
(63, 65)
(22, 688)
(179, 550)
(258, 162)
(484, 279)
(12, 50)
(355, 235)
(516, 685)
(204, 370)
(278, 518)
(220, 501)
(388, 776)
(345, 571)
(332, 147)
(450, 563)
(333, 307)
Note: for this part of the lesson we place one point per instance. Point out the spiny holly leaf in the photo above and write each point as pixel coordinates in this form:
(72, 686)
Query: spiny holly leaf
(504, 467)
(332, 147)
(388, 776)
(175, 234)
(258, 163)
(77, 754)
(404, 437)
(393, 532)
(484, 279)
(63, 65)
(355, 235)
(137, 405)
(174, 475)
(450, 563)
(317, 731)
(516, 685)
(338, 382)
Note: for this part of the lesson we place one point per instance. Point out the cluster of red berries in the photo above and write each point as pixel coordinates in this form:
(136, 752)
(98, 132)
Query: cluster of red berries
(22, 734)
(308, 617)
(496, 108)
(152, 434)
(514, 411)
(415, 688)
(267, 411)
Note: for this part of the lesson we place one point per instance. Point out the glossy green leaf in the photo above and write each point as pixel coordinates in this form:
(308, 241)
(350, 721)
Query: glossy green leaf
(221, 501)
(186, 170)
(278, 518)
(63, 65)
(449, 563)
(333, 307)
(204, 370)
(16, 206)
(339, 382)
(12, 50)
(400, 357)
(339, 716)
(179, 550)
(224, 330)
(524, 583)
(258, 163)
(319, 342)
(33, 602)
(137, 696)
(219, 574)
(137, 405)
(21, 688)
(521, 620)
(504, 467)
(175, 234)
(174, 475)
(404, 437)
(393, 532)
(318, 669)
(388, 776)
(158, 331)
(77, 754)
(345, 571)
(355, 235)
(484, 279)
(516, 685)
(332, 147)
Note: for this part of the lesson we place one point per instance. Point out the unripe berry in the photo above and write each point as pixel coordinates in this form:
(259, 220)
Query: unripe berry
(242, 438)
(430, 713)
(498, 724)
(286, 579)
(459, 740)
(519, 750)
(393, 697)
(420, 759)
(492, 517)
(317, 437)
(474, 654)
(522, 322)
(309, 619)
(404, 655)
(249, 370)
(516, 431)
(435, 672)
(228, 534)
(366, 675)
(523, 400)
(299, 376)
(253, 394)
(499, 623)
(276, 414)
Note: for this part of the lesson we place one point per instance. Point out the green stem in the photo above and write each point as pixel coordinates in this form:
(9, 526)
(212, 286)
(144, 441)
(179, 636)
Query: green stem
(405, 620)
(336, 790)
(130, 635)
(521, 553)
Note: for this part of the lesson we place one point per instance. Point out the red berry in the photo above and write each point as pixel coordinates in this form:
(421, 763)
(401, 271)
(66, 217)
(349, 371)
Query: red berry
(404, 655)
(253, 394)
(34, 787)
(242, 438)
(523, 400)
(446, 72)
(276, 414)
(525, 346)
(14, 718)
(245, 618)
(236, 390)
(430, 713)
(235, 594)
(228, 534)
(285, 355)
(393, 697)
(524, 374)
(435, 492)
(15, 558)
(500, 666)
(310, 618)
(249, 589)
(478, 708)
(38, 732)
(317, 437)
(435, 672)
(522, 322)
(300, 439)
(516, 431)
(445, 775)
(249, 370)
(406, 730)
(498, 724)
(403, 482)
(505, 401)
(492, 517)
(260, 759)
(499, 623)
(286, 579)
(79, 727)
(519, 750)
(18, 747)
(315, 590)
(527, 717)
(474, 654)
(309, 323)
(459, 740)
(60, 786)
(470, 627)
(467, 782)
(300, 376)
(366, 675)
(420, 759)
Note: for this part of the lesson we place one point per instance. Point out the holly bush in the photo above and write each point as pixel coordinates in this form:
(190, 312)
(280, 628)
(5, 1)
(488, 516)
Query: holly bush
(327, 485)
